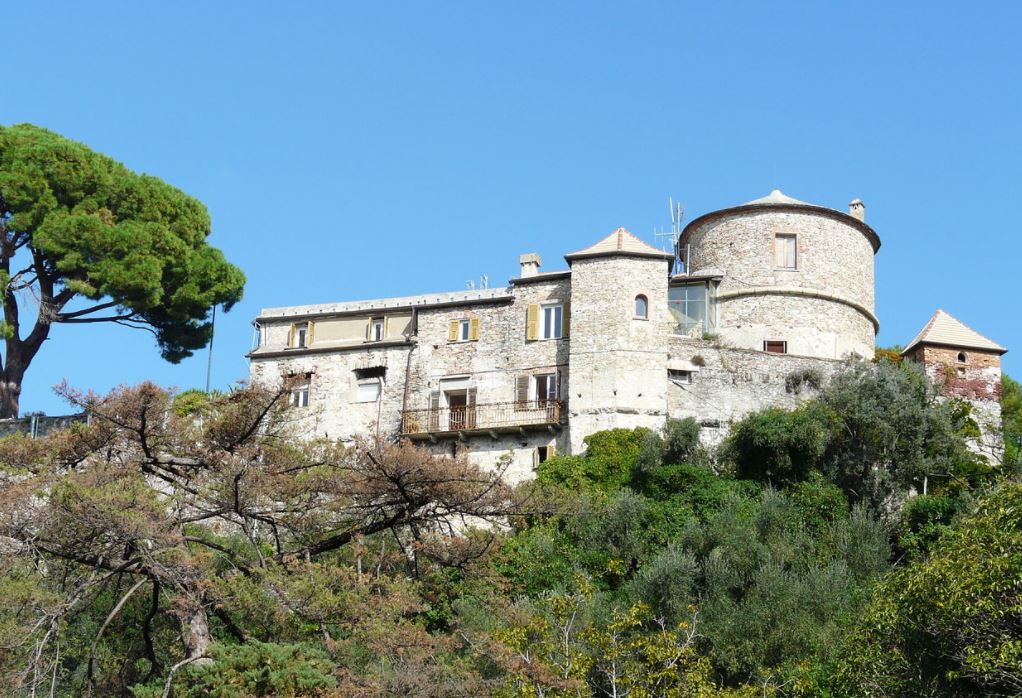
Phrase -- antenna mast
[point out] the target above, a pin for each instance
(677, 214)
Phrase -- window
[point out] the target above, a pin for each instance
(377, 329)
(962, 358)
(543, 454)
(301, 335)
(537, 390)
(369, 390)
(552, 317)
(545, 388)
(679, 375)
(300, 395)
(641, 307)
(786, 252)
(775, 346)
(464, 330)
(548, 321)
(691, 307)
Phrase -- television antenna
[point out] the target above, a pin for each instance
(677, 215)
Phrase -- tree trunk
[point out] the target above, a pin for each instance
(10, 387)
(195, 634)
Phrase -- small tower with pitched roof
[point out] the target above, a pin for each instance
(620, 325)
(966, 365)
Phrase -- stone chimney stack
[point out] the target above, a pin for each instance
(530, 264)
(857, 209)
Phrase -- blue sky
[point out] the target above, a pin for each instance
(359, 150)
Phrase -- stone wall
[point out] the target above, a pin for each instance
(977, 380)
(618, 362)
(729, 383)
(834, 259)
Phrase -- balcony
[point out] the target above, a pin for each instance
(493, 419)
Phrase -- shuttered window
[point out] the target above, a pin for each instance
(786, 252)
(300, 335)
(532, 322)
(466, 330)
(522, 390)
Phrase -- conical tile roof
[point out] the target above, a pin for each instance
(776, 197)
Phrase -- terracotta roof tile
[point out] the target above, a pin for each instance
(620, 242)
(948, 331)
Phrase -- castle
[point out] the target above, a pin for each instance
(776, 294)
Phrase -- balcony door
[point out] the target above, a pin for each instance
(459, 404)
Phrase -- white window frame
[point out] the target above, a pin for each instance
(464, 330)
(300, 395)
(371, 383)
(534, 387)
(554, 328)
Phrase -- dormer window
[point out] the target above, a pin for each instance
(641, 307)
(786, 251)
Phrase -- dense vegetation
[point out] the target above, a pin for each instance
(196, 548)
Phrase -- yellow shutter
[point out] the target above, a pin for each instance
(532, 322)
(308, 334)
(369, 329)
(473, 329)
(565, 316)
(551, 450)
(386, 327)
(291, 336)
(452, 331)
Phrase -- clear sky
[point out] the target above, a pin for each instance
(360, 150)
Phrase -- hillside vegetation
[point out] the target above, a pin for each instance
(195, 547)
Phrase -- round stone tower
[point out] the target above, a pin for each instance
(792, 277)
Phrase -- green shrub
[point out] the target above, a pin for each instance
(255, 669)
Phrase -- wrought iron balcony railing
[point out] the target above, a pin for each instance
(493, 417)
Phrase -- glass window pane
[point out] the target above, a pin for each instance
(688, 307)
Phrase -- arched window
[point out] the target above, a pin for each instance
(641, 307)
(961, 357)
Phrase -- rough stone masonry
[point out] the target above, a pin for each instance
(772, 291)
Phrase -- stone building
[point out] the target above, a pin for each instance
(965, 365)
(774, 296)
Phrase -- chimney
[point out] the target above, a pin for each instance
(530, 264)
(857, 209)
